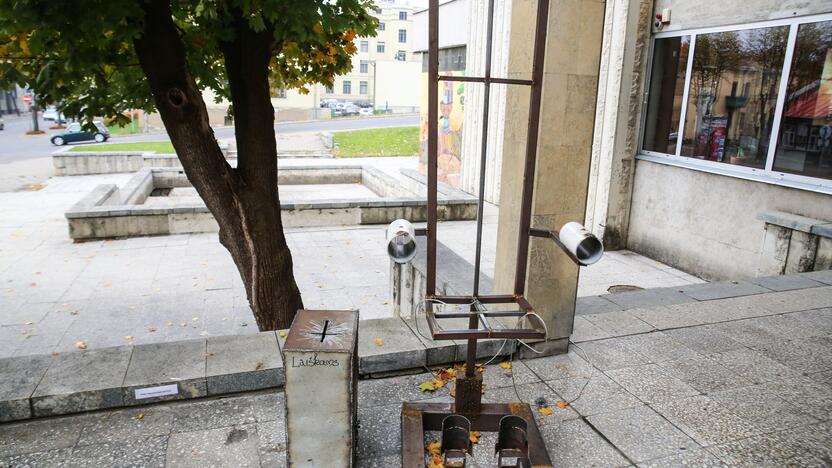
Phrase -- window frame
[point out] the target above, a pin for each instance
(402, 31)
(767, 174)
(380, 47)
(344, 85)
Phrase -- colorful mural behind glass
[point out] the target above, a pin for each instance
(451, 106)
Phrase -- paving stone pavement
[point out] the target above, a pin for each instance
(55, 293)
(660, 398)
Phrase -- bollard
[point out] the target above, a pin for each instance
(320, 357)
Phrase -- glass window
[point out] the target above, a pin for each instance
(403, 15)
(726, 65)
(804, 144)
(380, 47)
(362, 87)
(381, 26)
(401, 55)
(347, 87)
(667, 85)
(402, 35)
(365, 46)
(363, 66)
(329, 90)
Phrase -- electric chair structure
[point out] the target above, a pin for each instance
(519, 441)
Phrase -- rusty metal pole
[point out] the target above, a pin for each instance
(531, 147)
(433, 111)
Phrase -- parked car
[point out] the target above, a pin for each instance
(2, 125)
(351, 110)
(329, 103)
(75, 133)
(365, 111)
(51, 113)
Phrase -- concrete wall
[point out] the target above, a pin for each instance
(687, 14)
(702, 223)
(707, 224)
(397, 85)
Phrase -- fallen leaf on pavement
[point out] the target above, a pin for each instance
(139, 416)
(427, 386)
(505, 365)
(433, 447)
(562, 404)
(474, 437)
(128, 337)
(282, 333)
(545, 411)
(81, 345)
(379, 342)
(438, 383)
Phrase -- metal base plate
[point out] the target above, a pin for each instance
(418, 417)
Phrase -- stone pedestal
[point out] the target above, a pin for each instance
(321, 363)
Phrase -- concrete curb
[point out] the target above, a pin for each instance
(44, 385)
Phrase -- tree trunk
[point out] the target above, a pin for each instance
(244, 201)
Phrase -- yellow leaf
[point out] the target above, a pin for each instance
(427, 386)
(505, 365)
(445, 374)
(29, 322)
(128, 337)
(318, 28)
(55, 353)
(81, 345)
(139, 416)
(282, 333)
(433, 447)
(474, 436)
(379, 342)
(438, 383)
(545, 411)
(24, 43)
(562, 404)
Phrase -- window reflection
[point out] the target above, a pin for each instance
(733, 94)
(805, 138)
(667, 84)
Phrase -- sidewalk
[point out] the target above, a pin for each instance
(736, 378)
(55, 293)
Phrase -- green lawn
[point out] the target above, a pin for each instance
(125, 130)
(164, 147)
(395, 141)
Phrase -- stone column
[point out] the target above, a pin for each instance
(617, 123)
(570, 82)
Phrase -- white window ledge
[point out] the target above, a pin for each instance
(785, 180)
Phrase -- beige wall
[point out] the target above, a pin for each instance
(687, 14)
(706, 224)
(398, 85)
(573, 50)
(700, 222)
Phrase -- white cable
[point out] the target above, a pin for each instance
(545, 330)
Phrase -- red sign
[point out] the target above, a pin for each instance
(27, 98)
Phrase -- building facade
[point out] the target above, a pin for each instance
(393, 45)
(713, 137)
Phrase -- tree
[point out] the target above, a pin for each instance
(100, 57)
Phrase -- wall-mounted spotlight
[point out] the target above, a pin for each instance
(401, 241)
(582, 244)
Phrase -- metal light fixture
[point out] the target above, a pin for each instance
(401, 241)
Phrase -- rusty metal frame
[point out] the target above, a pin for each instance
(419, 417)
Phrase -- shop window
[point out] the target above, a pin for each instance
(667, 86)
(804, 145)
(753, 102)
(712, 131)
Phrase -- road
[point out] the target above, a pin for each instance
(15, 145)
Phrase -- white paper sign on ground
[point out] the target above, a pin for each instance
(153, 392)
